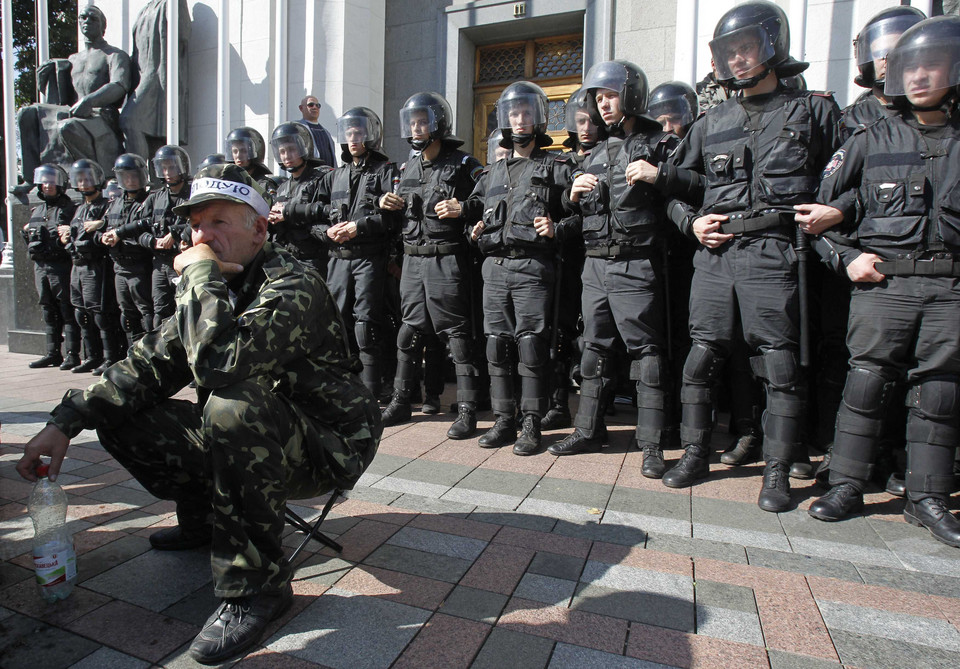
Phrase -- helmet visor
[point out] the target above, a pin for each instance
(112, 190)
(288, 149)
(739, 54)
(521, 113)
(48, 174)
(240, 150)
(922, 69)
(876, 39)
(576, 105)
(169, 167)
(84, 178)
(678, 109)
(131, 179)
(354, 130)
(417, 122)
(608, 74)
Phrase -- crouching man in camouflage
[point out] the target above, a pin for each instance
(282, 413)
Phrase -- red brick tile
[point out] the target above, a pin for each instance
(452, 525)
(504, 460)
(95, 537)
(15, 490)
(357, 508)
(425, 593)
(93, 511)
(875, 597)
(133, 630)
(632, 478)
(460, 452)
(96, 483)
(736, 574)
(12, 510)
(362, 539)
(543, 541)
(679, 649)
(567, 625)
(24, 598)
(643, 558)
(404, 441)
(791, 620)
(88, 454)
(950, 607)
(160, 507)
(307, 587)
(445, 641)
(499, 568)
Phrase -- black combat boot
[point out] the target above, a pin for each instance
(933, 514)
(694, 465)
(578, 442)
(840, 502)
(52, 359)
(746, 450)
(528, 442)
(653, 465)
(802, 468)
(775, 493)
(431, 405)
(397, 411)
(71, 360)
(87, 365)
(504, 431)
(557, 418)
(896, 485)
(466, 423)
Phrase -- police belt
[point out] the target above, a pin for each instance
(942, 265)
(743, 223)
(515, 252)
(356, 252)
(445, 249)
(623, 251)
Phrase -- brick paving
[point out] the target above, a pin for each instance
(456, 556)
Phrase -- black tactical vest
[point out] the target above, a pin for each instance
(297, 238)
(84, 250)
(43, 242)
(127, 250)
(422, 192)
(518, 191)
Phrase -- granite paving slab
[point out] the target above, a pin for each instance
(135, 580)
(438, 542)
(567, 656)
(508, 649)
(637, 605)
(475, 604)
(863, 650)
(419, 563)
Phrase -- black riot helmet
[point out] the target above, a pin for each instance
(926, 59)
(527, 102)
(111, 190)
(131, 171)
(297, 142)
(758, 29)
(367, 123)
(245, 144)
(49, 173)
(629, 82)
(797, 81)
(577, 117)
(90, 173)
(676, 100)
(495, 142)
(433, 110)
(878, 37)
(212, 159)
(171, 155)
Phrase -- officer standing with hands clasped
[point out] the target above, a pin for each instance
(904, 261)
(434, 285)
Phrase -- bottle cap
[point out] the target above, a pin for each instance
(42, 470)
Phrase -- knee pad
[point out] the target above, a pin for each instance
(866, 392)
(533, 350)
(498, 351)
(650, 370)
(461, 350)
(131, 323)
(83, 317)
(595, 364)
(702, 366)
(51, 316)
(365, 334)
(408, 338)
(780, 368)
(936, 398)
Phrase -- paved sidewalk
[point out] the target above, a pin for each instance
(457, 556)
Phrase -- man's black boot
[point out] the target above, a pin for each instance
(397, 411)
(896, 485)
(181, 537)
(431, 405)
(933, 514)
(557, 418)
(694, 465)
(49, 360)
(840, 502)
(238, 624)
(775, 493)
(746, 450)
(528, 442)
(802, 468)
(577, 442)
(87, 366)
(466, 423)
(653, 466)
(504, 431)
(71, 360)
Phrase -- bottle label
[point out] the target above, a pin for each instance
(55, 563)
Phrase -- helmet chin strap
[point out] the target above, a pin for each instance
(588, 145)
(522, 140)
(420, 144)
(616, 129)
(740, 84)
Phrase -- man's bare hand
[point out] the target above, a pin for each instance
(92, 226)
(449, 208)
(582, 185)
(862, 270)
(63, 231)
(276, 213)
(814, 218)
(477, 229)
(544, 226)
(200, 252)
(640, 170)
(391, 202)
(707, 230)
(50, 441)
(110, 238)
(165, 242)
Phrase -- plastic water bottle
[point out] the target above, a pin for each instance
(54, 559)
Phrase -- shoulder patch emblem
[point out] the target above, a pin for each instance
(836, 160)
(476, 171)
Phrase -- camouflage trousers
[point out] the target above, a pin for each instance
(235, 459)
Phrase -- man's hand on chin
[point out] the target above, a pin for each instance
(200, 252)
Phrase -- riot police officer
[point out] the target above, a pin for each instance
(904, 261)
(760, 153)
(293, 149)
(674, 106)
(246, 148)
(52, 266)
(155, 227)
(518, 205)
(91, 279)
(132, 263)
(624, 228)
(357, 233)
(434, 284)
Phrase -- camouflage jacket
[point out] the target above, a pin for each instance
(282, 329)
